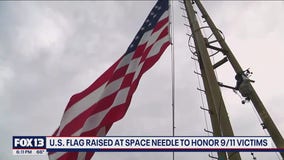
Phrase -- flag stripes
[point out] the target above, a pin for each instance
(93, 111)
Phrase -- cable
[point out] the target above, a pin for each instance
(205, 112)
(265, 131)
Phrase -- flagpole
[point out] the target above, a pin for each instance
(171, 31)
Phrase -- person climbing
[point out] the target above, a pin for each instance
(243, 85)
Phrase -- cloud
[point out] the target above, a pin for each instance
(52, 50)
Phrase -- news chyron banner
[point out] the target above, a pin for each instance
(41, 145)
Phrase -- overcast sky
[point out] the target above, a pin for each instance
(52, 50)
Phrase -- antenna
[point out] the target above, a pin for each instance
(219, 117)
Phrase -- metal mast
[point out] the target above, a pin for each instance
(219, 117)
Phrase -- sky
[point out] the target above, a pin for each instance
(52, 50)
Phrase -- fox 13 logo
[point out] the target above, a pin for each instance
(29, 142)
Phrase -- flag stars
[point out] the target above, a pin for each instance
(158, 7)
(151, 18)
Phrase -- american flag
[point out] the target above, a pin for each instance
(93, 111)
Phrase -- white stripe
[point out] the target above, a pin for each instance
(155, 36)
(80, 107)
(112, 87)
(102, 132)
(145, 37)
(154, 50)
(125, 60)
(95, 120)
(138, 71)
(121, 97)
(164, 15)
(157, 46)
(133, 65)
(56, 155)
(81, 156)
(88, 101)
(147, 34)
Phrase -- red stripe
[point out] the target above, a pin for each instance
(164, 33)
(99, 82)
(154, 59)
(69, 156)
(127, 80)
(79, 121)
(160, 24)
(118, 73)
(140, 49)
(145, 53)
(113, 115)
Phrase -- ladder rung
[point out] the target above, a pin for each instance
(212, 156)
(187, 25)
(226, 86)
(212, 41)
(208, 131)
(201, 90)
(205, 109)
(221, 62)
(194, 58)
(216, 48)
(197, 73)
